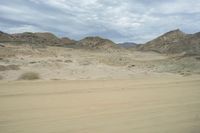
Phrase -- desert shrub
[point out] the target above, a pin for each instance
(9, 67)
(84, 63)
(32, 62)
(198, 58)
(185, 73)
(2, 68)
(58, 60)
(68, 61)
(131, 66)
(29, 76)
(13, 67)
(1, 77)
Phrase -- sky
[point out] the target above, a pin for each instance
(119, 20)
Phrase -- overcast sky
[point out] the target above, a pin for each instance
(120, 20)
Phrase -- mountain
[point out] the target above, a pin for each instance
(67, 41)
(4, 37)
(36, 39)
(49, 39)
(174, 42)
(96, 43)
(128, 44)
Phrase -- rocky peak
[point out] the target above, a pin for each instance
(68, 41)
(174, 42)
(96, 42)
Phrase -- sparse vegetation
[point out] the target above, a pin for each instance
(185, 73)
(13, 67)
(9, 67)
(198, 58)
(59, 60)
(131, 66)
(85, 63)
(1, 77)
(68, 61)
(2, 68)
(29, 76)
(33, 62)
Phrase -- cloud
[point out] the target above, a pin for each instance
(23, 28)
(119, 20)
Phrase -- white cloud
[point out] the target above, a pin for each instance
(121, 20)
(180, 6)
(23, 28)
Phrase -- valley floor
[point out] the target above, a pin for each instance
(144, 105)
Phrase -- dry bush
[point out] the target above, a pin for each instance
(9, 67)
(1, 77)
(84, 63)
(198, 58)
(13, 67)
(29, 76)
(68, 61)
(2, 68)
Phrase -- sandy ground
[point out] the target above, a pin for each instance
(144, 105)
(77, 64)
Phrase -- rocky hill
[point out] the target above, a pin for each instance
(174, 42)
(35, 39)
(49, 39)
(4, 37)
(96, 43)
(67, 41)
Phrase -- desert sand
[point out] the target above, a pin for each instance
(58, 63)
(95, 91)
(166, 104)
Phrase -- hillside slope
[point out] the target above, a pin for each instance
(174, 42)
(35, 39)
(96, 43)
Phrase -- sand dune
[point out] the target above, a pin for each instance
(155, 105)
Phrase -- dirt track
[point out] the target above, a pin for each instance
(159, 105)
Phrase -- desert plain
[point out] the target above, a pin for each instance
(58, 85)
(94, 91)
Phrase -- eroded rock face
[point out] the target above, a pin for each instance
(174, 42)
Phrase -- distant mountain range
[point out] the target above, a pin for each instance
(49, 39)
(128, 44)
(173, 42)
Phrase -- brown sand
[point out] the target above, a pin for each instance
(156, 105)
